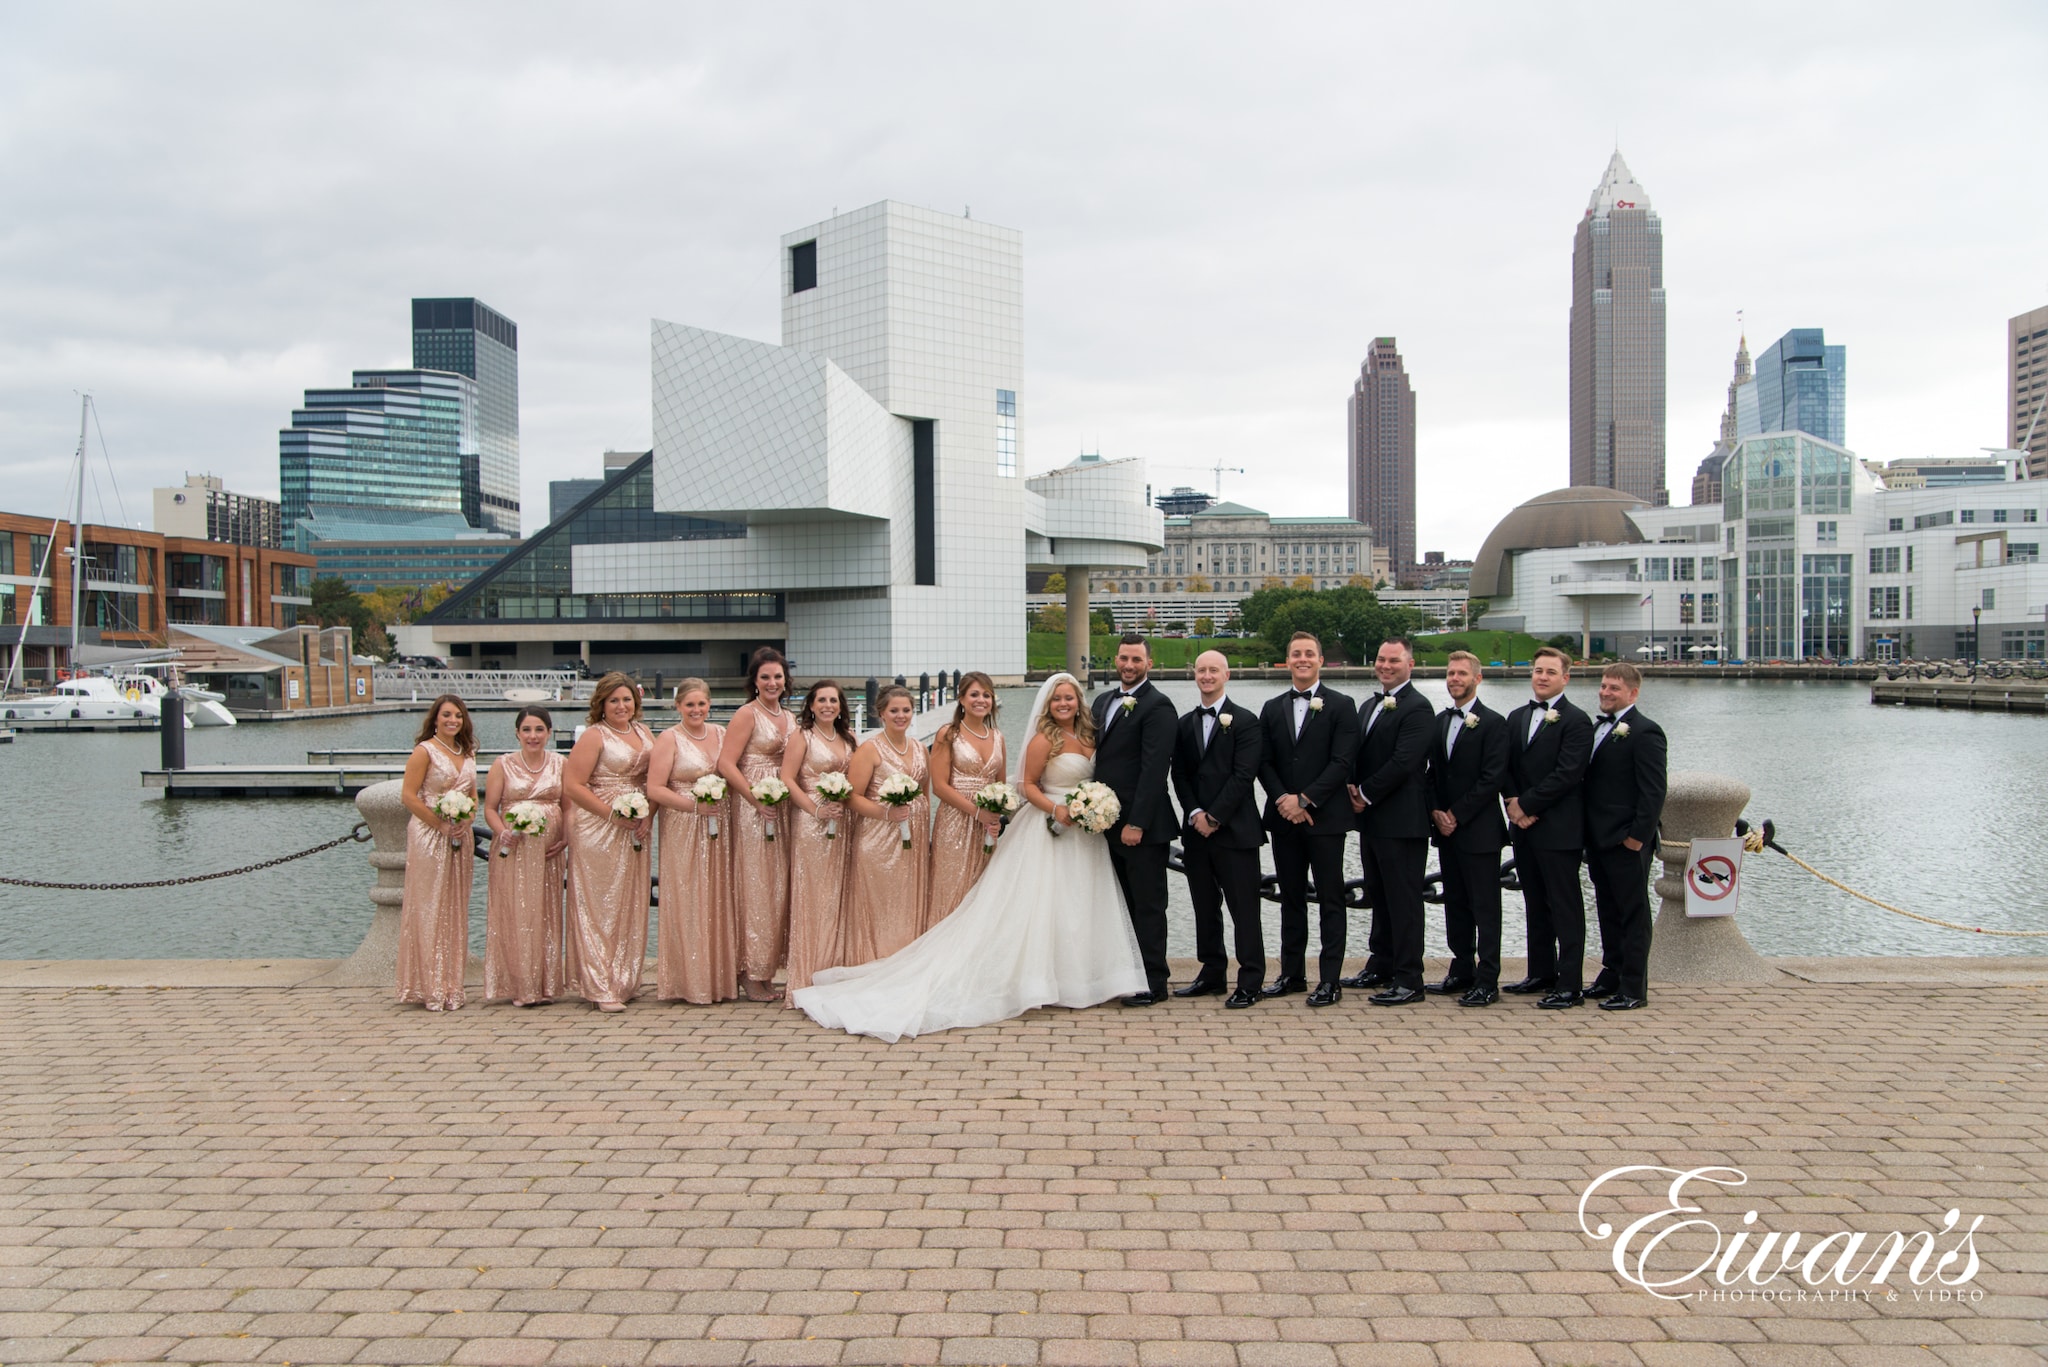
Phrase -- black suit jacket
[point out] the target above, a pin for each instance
(1133, 757)
(1545, 773)
(1625, 781)
(1317, 764)
(1467, 784)
(1391, 765)
(1219, 780)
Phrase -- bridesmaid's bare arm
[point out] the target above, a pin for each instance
(1036, 756)
(860, 773)
(660, 764)
(494, 802)
(415, 779)
(577, 769)
(737, 733)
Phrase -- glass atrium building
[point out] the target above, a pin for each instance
(396, 439)
(468, 337)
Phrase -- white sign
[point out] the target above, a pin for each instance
(362, 686)
(1713, 877)
(292, 689)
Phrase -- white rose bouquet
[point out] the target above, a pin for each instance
(631, 807)
(709, 791)
(526, 818)
(900, 790)
(834, 787)
(1001, 799)
(1094, 807)
(455, 805)
(771, 792)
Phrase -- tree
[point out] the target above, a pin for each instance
(334, 602)
(1302, 581)
(1350, 622)
(1205, 626)
(1055, 582)
(1358, 581)
(1197, 584)
(1052, 617)
(1271, 581)
(1100, 623)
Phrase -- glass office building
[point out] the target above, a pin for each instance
(1785, 498)
(396, 440)
(1800, 385)
(468, 337)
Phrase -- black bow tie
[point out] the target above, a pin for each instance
(1205, 711)
(1607, 718)
(1304, 693)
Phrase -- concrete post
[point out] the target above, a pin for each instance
(375, 962)
(1078, 636)
(1685, 949)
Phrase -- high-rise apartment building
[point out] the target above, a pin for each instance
(1617, 340)
(206, 510)
(396, 440)
(1801, 385)
(1706, 481)
(2026, 388)
(1380, 429)
(468, 337)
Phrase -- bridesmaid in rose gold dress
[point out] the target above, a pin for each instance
(753, 749)
(967, 756)
(886, 896)
(820, 832)
(608, 890)
(523, 912)
(433, 920)
(696, 957)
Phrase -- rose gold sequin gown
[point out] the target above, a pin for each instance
(817, 866)
(607, 940)
(523, 910)
(958, 853)
(886, 895)
(697, 957)
(760, 866)
(433, 919)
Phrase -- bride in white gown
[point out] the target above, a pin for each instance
(1045, 925)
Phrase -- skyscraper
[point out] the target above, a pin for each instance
(2026, 385)
(1801, 385)
(398, 441)
(468, 337)
(1617, 340)
(1706, 481)
(1381, 432)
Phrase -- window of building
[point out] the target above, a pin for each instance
(2023, 552)
(1895, 524)
(2027, 643)
(2030, 514)
(1770, 528)
(1682, 567)
(1884, 604)
(1990, 599)
(1709, 609)
(1731, 540)
(1909, 606)
(1824, 609)
(1685, 609)
(803, 267)
(1943, 518)
(1884, 559)
(1826, 533)
(1968, 515)
(1706, 567)
(1658, 568)
(6, 552)
(2000, 514)
(1006, 433)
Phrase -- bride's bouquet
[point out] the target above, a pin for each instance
(1092, 806)
(709, 791)
(455, 805)
(1001, 799)
(528, 819)
(631, 806)
(834, 787)
(900, 790)
(771, 792)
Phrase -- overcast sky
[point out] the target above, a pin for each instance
(206, 209)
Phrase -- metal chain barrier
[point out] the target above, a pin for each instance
(360, 834)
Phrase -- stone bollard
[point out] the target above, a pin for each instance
(1702, 949)
(375, 962)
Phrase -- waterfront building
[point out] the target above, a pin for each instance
(1800, 385)
(1380, 433)
(257, 669)
(137, 585)
(1617, 340)
(1810, 556)
(1237, 549)
(379, 548)
(1706, 481)
(204, 510)
(2026, 388)
(394, 440)
(468, 337)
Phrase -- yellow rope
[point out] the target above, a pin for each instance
(1754, 843)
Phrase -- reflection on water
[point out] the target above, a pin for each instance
(1940, 812)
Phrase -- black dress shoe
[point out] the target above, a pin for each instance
(1529, 987)
(1449, 987)
(1559, 1001)
(1326, 994)
(1622, 1001)
(1601, 986)
(1363, 980)
(1144, 999)
(1240, 999)
(1284, 986)
(1398, 996)
(1479, 996)
(1199, 988)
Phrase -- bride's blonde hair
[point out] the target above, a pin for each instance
(1084, 722)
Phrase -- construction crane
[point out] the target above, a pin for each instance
(1219, 470)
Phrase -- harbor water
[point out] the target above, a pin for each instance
(1940, 812)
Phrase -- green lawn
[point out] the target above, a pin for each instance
(1048, 650)
(1503, 647)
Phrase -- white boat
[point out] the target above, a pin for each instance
(92, 698)
(203, 707)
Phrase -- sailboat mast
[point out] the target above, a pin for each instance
(78, 535)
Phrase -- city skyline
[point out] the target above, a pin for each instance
(1207, 267)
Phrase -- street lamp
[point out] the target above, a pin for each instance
(1976, 635)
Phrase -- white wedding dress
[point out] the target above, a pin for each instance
(1045, 926)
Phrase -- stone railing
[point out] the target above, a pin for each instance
(1699, 949)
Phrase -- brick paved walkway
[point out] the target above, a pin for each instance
(318, 1176)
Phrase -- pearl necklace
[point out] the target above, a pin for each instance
(978, 735)
(531, 772)
(695, 735)
(903, 751)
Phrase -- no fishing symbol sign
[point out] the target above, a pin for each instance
(1713, 877)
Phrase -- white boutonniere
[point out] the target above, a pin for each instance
(1315, 704)
(1130, 704)
(1550, 717)
(1223, 719)
(1389, 703)
(1620, 730)
(1471, 722)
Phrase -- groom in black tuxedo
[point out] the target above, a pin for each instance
(1134, 726)
(1389, 794)
(1215, 762)
(1549, 740)
(1624, 800)
(1311, 737)
(1468, 763)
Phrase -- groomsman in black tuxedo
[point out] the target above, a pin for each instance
(1310, 739)
(1390, 798)
(1548, 741)
(1468, 763)
(1215, 762)
(1134, 725)
(1625, 782)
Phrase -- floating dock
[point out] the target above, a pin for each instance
(1984, 695)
